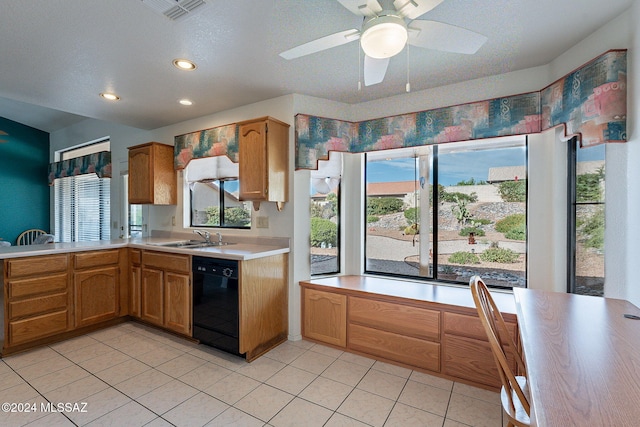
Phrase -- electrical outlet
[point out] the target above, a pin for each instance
(173, 220)
(262, 222)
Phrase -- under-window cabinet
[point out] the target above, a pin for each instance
(152, 178)
(165, 291)
(263, 151)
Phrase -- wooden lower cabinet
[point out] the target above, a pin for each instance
(152, 296)
(37, 299)
(96, 283)
(135, 281)
(177, 303)
(466, 350)
(96, 295)
(325, 316)
(165, 291)
(442, 339)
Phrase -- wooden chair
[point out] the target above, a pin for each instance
(514, 392)
(27, 237)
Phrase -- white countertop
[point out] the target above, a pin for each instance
(243, 248)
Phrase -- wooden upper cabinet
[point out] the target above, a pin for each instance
(263, 150)
(152, 178)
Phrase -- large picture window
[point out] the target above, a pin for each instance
(586, 219)
(448, 212)
(325, 216)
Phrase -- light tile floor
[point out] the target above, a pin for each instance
(132, 375)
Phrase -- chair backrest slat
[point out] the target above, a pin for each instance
(497, 332)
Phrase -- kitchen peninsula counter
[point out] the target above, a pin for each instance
(57, 291)
(239, 248)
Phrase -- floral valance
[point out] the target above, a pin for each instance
(218, 141)
(590, 102)
(98, 163)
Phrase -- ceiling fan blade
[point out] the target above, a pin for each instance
(362, 7)
(444, 37)
(322, 43)
(374, 70)
(414, 8)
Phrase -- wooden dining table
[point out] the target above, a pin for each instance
(582, 357)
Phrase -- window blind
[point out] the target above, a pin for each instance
(82, 208)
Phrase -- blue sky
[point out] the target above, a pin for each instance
(454, 167)
(462, 166)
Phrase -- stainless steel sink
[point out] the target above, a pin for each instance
(192, 244)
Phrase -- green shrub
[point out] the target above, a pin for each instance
(412, 215)
(519, 233)
(323, 231)
(513, 191)
(383, 205)
(463, 258)
(591, 230)
(455, 196)
(236, 217)
(511, 222)
(475, 230)
(471, 181)
(588, 187)
(501, 255)
(372, 218)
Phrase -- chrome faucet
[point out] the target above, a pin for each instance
(219, 238)
(204, 234)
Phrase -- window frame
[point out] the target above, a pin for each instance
(221, 206)
(103, 187)
(433, 267)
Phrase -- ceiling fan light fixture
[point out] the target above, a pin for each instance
(384, 36)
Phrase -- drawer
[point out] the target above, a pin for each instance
(37, 285)
(134, 256)
(96, 258)
(177, 263)
(22, 331)
(399, 348)
(31, 306)
(472, 360)
(393, 317)
(470, 326)
(37, 265)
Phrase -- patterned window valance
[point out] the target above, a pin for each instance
(590, 102)
(218, 141)
(98, 163)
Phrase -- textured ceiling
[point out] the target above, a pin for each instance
(60, 54)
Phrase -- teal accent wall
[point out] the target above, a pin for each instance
(24, 191)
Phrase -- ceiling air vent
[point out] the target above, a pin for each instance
(176, 10)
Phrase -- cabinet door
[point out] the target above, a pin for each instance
(177, 304)
(252, 151)
(135, 273)
(152, 296)
(140, 175)
(325, 317)
(96, 295)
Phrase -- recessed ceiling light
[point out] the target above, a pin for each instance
(184, 64)
(185, 102)
(110, 96)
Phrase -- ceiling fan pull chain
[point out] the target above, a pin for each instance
(408, 87)
(359, 69)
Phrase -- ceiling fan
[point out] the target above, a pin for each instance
(387, 27)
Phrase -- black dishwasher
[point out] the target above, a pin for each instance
(215, 303)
